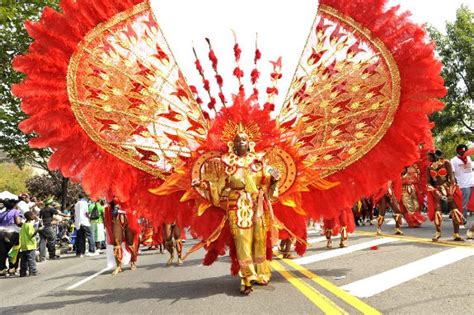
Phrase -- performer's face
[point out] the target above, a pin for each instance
(431, 157)
(241, 144)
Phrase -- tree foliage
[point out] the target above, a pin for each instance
(14, 40)
(46, 185)
(13, 179)
(455, 124)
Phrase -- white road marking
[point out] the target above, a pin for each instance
(88, 278)
(378, 283)
(321, 239)
(342, 251)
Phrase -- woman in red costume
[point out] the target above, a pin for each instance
(102, 86)
(443, 193)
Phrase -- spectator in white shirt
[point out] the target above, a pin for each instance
(462, 167)
(83, 227)
(22, 204)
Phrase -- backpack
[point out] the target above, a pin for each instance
(95, 213)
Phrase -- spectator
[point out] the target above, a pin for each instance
(462, 167)
(96, 216)
(47, 232)
(10, 221)
(35, 206)
(83, 227)
(28, 246)
(23, 203)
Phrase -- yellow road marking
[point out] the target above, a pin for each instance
(343, 295)
(318, 299)
(419, 240)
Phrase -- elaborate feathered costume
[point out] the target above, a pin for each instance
(104, 91)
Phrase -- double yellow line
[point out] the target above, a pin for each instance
(324, 303)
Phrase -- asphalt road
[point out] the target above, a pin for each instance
(389, 275)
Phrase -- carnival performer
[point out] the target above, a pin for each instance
(172, 236)
(234, 164)
(122, 227)
(243, 185)
(443, 192)
(385, 199)
(410, 199)
(342, 224)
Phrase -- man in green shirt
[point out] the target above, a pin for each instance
(96, 216)
(28, 246)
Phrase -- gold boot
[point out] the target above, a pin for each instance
(457, 237)
(344, 237)
(436, 237)
(179, 250)
(117, 270)
(380, 221)
(328, 233)
(398, 232)
(398, 223)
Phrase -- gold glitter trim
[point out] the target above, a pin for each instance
(77, 104)
(389, 63)
(72, 86)
(395, 78)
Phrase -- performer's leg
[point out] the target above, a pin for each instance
(457, 218)
(370, 209)
(243, 240)
(397, 215)
(169, 244)
(285, 248)
(178, 243)
(262, 266)
(381, 217)
(438, 220)
(328, 226)
(132, 247)
(117, 229)
(343, 224)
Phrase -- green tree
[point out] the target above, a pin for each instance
(13, 179)
(45, 186)
(455, 124)
(14, 40)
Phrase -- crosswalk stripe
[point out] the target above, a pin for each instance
(378, 283)
(342, 251)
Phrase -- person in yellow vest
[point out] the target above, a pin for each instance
(28, 246)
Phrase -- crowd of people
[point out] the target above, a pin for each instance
(32, 231)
